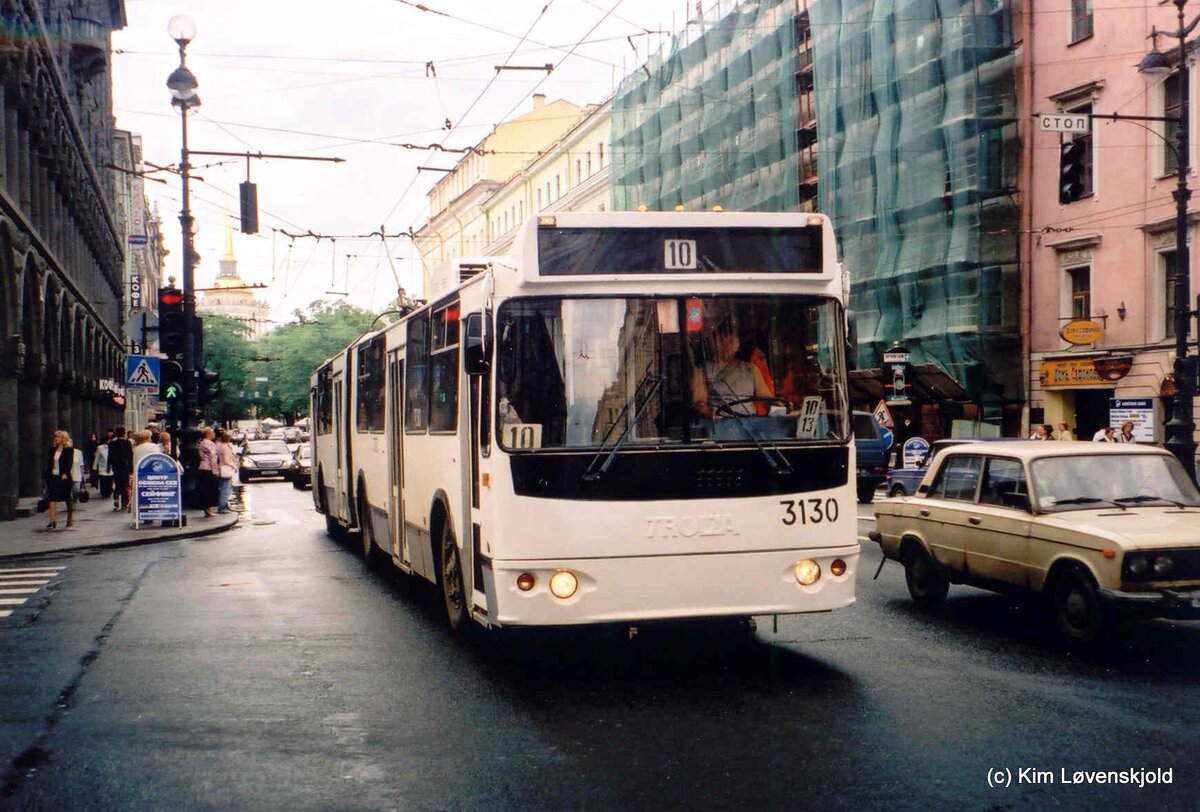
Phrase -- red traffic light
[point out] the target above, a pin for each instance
(170, 297)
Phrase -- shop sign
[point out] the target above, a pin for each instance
(1070, 372)
(1081, 331)
(1139, 411)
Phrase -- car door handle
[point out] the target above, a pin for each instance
(924, 513)
(974, 520)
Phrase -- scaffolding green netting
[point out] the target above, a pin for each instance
(710, 120)
(918, 155)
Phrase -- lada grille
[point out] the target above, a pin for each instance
(1185, 566)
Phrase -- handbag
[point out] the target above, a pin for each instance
(82, 495)
(227, 471)
(43, 505)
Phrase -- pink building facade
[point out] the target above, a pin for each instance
(1106, 256)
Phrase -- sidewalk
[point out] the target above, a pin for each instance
(97, 525)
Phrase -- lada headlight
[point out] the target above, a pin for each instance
(1138, 566)
(1163, 565)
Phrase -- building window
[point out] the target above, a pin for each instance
(1171, 109)
(600, 148)
(1081, 19)
(557, 187)
(1168, 265)
(548, 198)
(1081, 292)
(1089, 154)
(578, 169)
(521, 210)
(589, 164)
(539, 198)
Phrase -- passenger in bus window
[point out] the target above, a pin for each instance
(722, 383)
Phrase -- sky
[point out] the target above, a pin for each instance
(353, 80)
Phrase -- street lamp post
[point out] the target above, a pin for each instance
(1180, 428)
(182, 84)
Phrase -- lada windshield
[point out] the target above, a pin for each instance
(599, 372)
(1091, 481)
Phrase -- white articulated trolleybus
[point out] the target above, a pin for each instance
(633, 417)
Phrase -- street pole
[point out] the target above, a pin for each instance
(189, 273)
(182, 85)
(1180, 429)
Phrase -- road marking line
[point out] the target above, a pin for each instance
(20, 591)
(12, 601)
(34, 569)
(5, 612)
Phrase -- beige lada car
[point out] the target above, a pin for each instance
(1101, 530)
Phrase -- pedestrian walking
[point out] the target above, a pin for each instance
(226, 470)
(206, 484)
(1064, 432)
(164, 440)
(120, 459)
(1126, 435)
(64, 476)
(102, 471)
(1039, 432)
(89, 456)
(1105, 435)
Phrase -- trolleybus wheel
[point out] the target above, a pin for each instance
(452, 581)
(370, 550)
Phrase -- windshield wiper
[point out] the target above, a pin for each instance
(784, 469)
(1142, 497)
(640, 402)
(1087, 500)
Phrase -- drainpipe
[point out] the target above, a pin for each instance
(1026, 198)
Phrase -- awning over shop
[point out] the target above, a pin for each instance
(926, 382)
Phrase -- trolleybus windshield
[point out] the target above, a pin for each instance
(593, 372)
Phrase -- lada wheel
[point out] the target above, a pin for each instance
(453, 593)
(897, 490)
(926, 583)
(1078, 613)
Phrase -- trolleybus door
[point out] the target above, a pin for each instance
(340, 507)
(395, 440)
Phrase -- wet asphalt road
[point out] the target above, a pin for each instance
(266, 668)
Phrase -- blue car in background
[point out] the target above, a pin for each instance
(872, 444)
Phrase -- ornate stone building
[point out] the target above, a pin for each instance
(233, 298)
(61, 253)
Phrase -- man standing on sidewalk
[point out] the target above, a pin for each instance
(120, 459)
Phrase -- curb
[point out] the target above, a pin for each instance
(183, 533)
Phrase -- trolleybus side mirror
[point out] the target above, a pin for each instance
(477, 350)
(851, 341)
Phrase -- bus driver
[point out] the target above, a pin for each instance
(719, 385)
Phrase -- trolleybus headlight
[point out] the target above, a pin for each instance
(838, 567)
(563, 584)
(808, 572)
(525, 581)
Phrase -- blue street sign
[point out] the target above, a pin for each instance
(157, 493)
(143, 372)
(915, 449)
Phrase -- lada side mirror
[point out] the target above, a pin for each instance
(1017, 500)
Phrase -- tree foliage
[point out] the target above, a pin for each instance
(227, 351)
(295, 349)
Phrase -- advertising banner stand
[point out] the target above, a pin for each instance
(157, 493)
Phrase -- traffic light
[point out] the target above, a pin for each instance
(170, 384)
(172, 322)
(249, 200)
(1072, 166)
(210, 386)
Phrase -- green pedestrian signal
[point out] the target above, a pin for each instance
(173, 391)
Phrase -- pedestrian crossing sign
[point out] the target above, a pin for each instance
(142, 372)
